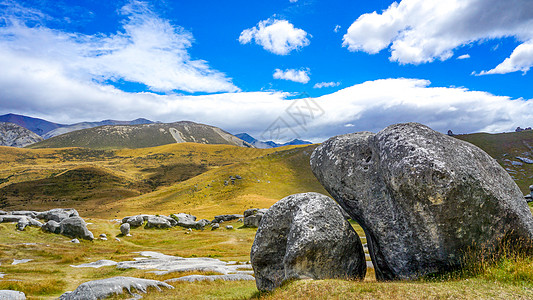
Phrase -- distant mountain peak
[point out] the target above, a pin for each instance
(268, 144)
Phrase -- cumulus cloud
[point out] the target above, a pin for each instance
(301, 76)
(371, 106)
(147, 50)
(276, 36)
(464, 56)
(520, 60)
(320, 85)
(415, 38)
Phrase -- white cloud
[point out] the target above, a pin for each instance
(464, 56)
(293, 1)
(414, 37)
(301, 76)
(320, 85)
(337, 28)
(276, 36)
(148, 50)
(520, 60)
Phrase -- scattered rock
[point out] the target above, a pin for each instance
(225, 218)
(52, 226)
(22, 223)
(252, 217)
(134, 221)
(229, 227)
(104, 288)
(75, 227)
(57, 214)
(189, 221)
(228, 277)
(305, 236)
(103, 237)
(12, 295)
(125, 229)
(21, 261)
(525, 159)
(165, 264)
(75, 241)
(215, 226)
(97, 264)
(422, 197)
(157, 222)
(117, 239)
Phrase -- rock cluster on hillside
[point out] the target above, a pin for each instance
(59, 220)
(423, 198)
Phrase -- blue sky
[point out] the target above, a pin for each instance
(241, 65)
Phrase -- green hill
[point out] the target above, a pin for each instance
(141, 136)
(506, 148)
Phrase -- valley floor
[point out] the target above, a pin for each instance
(49, 273)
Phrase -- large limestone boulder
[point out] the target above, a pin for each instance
(12, 295)
(305, 236)
(422, 197)
(51, 226)
(75, 227)
(57, 214)
(157, 222)
(253, 216)
(189, 221)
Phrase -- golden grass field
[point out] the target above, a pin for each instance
(110, 184)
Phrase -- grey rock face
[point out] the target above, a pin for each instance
(13, 135)
(422, 197)
(103, 288)
(57, 214)
(225, 218)
(75, 227)
(125, 229)
(134, 221)
(157, 222)
(189, 221)
(12, 295)
(305, 236)
(253, 216)
(52, 226)
(22, 223)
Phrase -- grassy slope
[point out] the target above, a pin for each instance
(268, 175)
(505, 147)
(164, 177)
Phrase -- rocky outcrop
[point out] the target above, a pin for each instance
(104, 288)
(189, 221)
(305, 236)
(13, 135)
(52, 226)
(225, 218)
(75, 227)
(57, 214)
(422, 197)
(157, 222)
(253, 216)
(12, 295)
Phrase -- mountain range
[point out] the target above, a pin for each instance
(142, 136)
(109, 134)
(269, 144)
